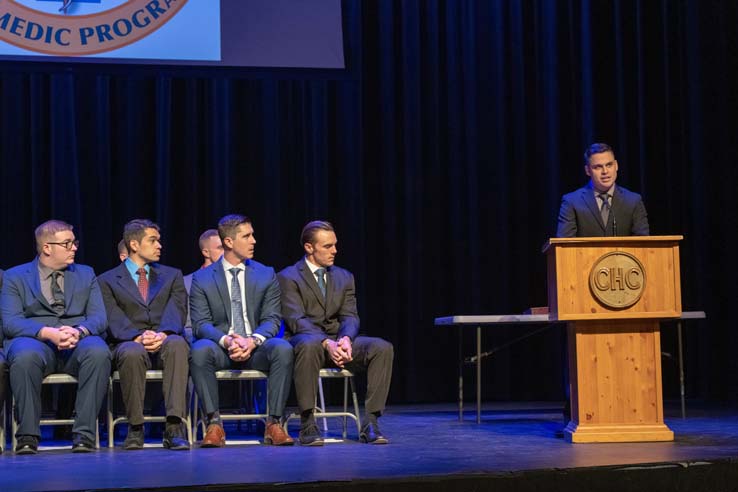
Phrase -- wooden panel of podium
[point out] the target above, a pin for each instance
(613, 291)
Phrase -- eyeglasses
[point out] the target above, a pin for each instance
(599, 167)
(68, 245)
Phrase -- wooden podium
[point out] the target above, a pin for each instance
(613, 291)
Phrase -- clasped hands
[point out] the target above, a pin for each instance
(64, 337)
(340, 351)
(151, 340)
(239, 347)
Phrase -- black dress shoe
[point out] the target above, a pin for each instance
(134, 438)
(174, 437)
(26, 445)
(82, 444)
(310, 436)
(371, 434)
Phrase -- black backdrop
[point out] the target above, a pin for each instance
(440, 155)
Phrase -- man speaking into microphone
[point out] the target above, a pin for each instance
(600, 208)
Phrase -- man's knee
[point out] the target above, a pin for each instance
(176, 344)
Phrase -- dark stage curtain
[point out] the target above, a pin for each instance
(440, 154)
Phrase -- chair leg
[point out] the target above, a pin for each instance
(322, 403)
(111, 427)
(14, 422)
(356, 406)
(345, 405)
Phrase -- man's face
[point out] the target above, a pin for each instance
(243, 244)
(603, 170)
(323, 251)
(57, 256)
(213, 249)
(149, 248)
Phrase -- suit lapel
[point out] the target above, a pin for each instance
(126, 282)
(309, 279)
(250, 293)
(589, 199)
(156, 281)
(33, 279)
(219, 279)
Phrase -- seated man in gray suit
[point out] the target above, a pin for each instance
(600, 208)
(211, 249)
(53, 321)
(235, 311)
(146, 306)
(322, 323)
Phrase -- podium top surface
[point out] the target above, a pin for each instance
(610, 239)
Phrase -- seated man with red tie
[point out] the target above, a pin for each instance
(146, 306)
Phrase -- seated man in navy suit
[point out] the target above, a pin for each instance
(322, 323)
(53, 321)
(600, 208)
(146, 305)
(235, 311)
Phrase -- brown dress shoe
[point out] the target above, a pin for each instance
(276, 435)
(214, 437)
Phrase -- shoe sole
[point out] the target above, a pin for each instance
(380, 440)
(133, 447)
(26, 451)
(82, 449)
(319, 442)
(179, 447)
(269, 442)
(212, 445)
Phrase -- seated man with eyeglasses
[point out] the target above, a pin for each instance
(53, 321)
(600, 208)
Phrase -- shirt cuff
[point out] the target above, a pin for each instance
(221, 342)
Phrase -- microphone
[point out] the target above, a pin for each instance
(614, 226)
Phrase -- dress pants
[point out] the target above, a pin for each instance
(132, 361)
(370, 354)
(31, 360)
(3, 381)
(274, 357)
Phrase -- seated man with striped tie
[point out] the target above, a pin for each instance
(600, 208)
(53, 321)
(235, 312)
(146, 304)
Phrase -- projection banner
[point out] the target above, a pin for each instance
(246, 33)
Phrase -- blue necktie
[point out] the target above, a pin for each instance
(239, 325)
(320, 272)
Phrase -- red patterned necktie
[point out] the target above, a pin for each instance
(143, 284)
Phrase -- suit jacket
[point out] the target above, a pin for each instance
(129, 315)
(304, 309)
(24, 309)
(579, 215)
(210, 303)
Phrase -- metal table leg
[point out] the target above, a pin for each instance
(461, 373)
(479, 374)
(681, 369)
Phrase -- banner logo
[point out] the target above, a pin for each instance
(617, 279)
(79, 35)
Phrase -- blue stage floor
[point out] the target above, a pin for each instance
(426, 441)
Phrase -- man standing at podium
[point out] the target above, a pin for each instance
(601, 208)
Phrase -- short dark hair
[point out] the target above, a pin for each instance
(122, 247)
(135, 230)
(205, 236)
(46, 232)
(228, 225)
(596, 148)
(312, 228)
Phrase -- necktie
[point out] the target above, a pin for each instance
(143, 284)
(605, 208)
(57, 294)
(239, 325)
(320, 272)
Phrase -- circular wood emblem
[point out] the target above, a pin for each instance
(617, 279)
